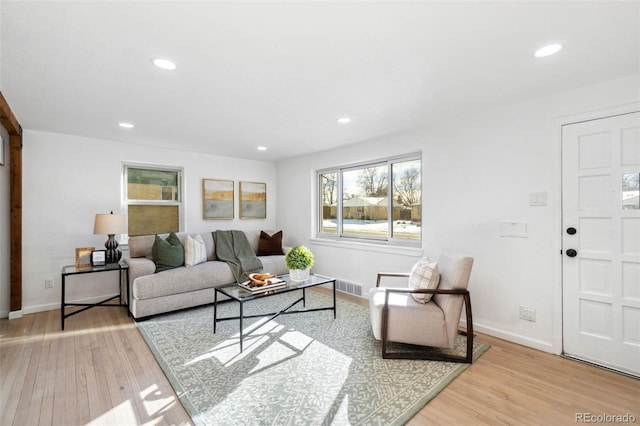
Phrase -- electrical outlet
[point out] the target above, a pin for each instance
(48, 283)
(532, 315)
(527, 314)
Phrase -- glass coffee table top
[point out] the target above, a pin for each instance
(241, 295)
(238, 293)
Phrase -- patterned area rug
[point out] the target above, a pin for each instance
(300, 369)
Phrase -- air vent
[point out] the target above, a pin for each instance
(349, 287)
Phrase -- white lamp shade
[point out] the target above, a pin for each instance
(109, 224)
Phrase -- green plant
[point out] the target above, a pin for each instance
(299, 257)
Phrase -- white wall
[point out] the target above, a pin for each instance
(5, 242)
(68, 179)
(478, 171)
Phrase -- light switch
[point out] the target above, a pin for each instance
(537, 198)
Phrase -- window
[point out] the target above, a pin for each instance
(631, 191)
(153, 197)
(379, 201)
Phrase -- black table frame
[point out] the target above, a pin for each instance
(245, 296)
(123, 271)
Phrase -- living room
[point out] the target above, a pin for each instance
(480, 164)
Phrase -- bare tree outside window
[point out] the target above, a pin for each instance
(329, 191)
(407, 193)
(378, 201)
(373, 181)
(407, 184)
(329, 188)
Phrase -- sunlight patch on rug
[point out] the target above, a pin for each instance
(295, 369)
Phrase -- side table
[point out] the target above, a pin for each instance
(123, 272)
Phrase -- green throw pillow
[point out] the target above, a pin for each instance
(169, 253)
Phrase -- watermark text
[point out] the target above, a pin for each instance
(605, 418)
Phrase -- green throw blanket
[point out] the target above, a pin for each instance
(233, 247)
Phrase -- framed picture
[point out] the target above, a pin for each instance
(83, 256)
(217, 199)
(98, 258)
(253, 200)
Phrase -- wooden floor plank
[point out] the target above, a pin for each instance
(28, 411)
(100, 404)
(15, 355)
(100, 371)
(81, 347)
(49, 376)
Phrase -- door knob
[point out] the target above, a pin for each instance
(571, 231)
(571, 253)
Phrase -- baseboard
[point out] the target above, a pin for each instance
(15, 315)
(514, 338)
(479, 328)
(53, 306)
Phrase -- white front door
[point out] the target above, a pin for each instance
(601, 241)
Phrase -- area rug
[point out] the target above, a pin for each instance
(299, 369)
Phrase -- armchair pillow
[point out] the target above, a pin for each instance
(169, 253)
(424, 275)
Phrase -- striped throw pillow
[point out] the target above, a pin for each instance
(195, 251)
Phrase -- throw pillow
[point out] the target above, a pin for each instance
(195, 251)
(424, 275)
(270, 244)
(169, 253)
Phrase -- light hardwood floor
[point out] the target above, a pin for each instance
(100, 371)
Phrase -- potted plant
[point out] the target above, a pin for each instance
(299, 260)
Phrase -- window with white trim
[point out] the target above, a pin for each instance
(153, 199)
(380, 201)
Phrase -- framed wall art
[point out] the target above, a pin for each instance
(83, 257)
(217, 199)
(253, 200)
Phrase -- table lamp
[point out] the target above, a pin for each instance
(111, 224)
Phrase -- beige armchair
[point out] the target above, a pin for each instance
(396, 316)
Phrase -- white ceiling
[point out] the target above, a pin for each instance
(279, 74)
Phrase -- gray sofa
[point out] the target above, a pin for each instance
(154, 293)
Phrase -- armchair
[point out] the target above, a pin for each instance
(396, 316)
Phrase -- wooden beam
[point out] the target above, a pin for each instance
(10, 122)
(7, 118)
(15, 201)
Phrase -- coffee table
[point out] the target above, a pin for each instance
(240, 295)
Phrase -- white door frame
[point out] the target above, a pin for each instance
(558, 122)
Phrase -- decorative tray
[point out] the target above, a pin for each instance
(255, 285)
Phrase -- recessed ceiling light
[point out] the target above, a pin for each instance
(262, 148)
(344, 120)
(164, 64)
(548, 50)
(125, 125)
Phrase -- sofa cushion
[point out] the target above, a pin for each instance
(424, 275)
(274, 264)
(409, 321)
(182, 280)
(169, 253)
(195, 251)
(270, 244)
(142, 245)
